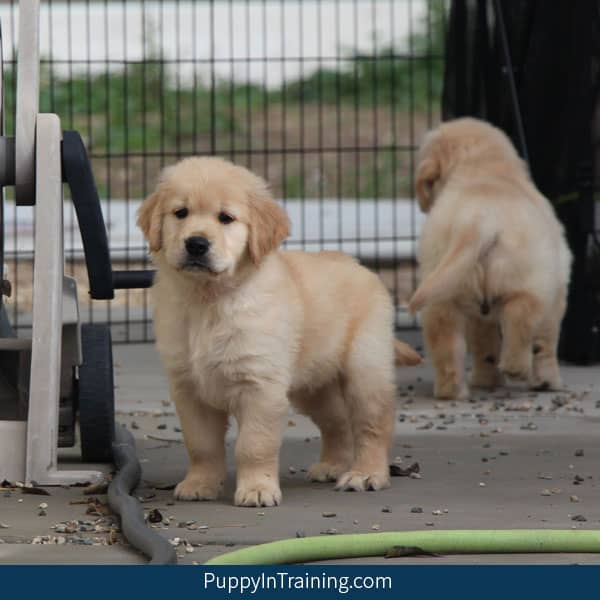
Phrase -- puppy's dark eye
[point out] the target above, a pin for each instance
(181, 213)
(225, 218)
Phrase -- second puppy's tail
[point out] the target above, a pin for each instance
(461, 257)
(405, 356)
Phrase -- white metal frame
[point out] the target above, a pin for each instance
(28, 450)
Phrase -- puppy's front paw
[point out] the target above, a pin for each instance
(198, 487)
(325, 471)
(258, 493)
(357, 481)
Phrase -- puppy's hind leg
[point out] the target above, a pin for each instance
(327, 409)
(444, 333)
(485, 342)
(546, 372)
(521, 315)
(369, 392)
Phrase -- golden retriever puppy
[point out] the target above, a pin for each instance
(243, 330)
(494, 262)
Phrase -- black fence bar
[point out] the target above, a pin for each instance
(326, 99)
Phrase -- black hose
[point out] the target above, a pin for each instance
(133, 526)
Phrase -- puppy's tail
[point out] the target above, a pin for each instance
(405, 356)
(465, 250)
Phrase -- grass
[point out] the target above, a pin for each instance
(366, 112)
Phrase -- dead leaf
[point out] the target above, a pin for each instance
(398, 471)
(96, 488)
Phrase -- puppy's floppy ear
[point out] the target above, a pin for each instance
(149, 220)
(428, 172)
(268, 223)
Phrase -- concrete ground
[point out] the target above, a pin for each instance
(511, 459)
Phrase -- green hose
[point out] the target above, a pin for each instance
(485, 541)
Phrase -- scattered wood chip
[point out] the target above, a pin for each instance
(160, 438)
(155, 516)
(163, 486)
(398, 471)
(96, 488)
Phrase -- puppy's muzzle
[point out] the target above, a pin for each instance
(197, 246)
(197, 256)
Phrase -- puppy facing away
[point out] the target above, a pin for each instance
(243, 329)
(494, 262)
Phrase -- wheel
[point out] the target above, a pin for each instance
(96, 394)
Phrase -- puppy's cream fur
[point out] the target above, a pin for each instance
(494, 262)
(251, 329)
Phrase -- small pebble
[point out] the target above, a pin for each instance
(376, 527)
(430, 524)
(436, 513)
(330, 531)
(577, 480)
(529, 427)
(574, 498)
(481, 484)
(155, 516)
(415, 476)
(134, 425)
(416, 509)
(300, 534)
(292, 470)
(386, 509)
(161, 426)
(580, 518)
(328, 515)
(579, 452)
(546, 492)
(177, 429)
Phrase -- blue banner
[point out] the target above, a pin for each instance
(290, 582)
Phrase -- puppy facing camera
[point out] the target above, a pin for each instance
(244, 329)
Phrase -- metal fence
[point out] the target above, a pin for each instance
(327, 99)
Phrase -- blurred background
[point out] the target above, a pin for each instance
(326, 99)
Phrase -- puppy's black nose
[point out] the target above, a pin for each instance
(197, 245)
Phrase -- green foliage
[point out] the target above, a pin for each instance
(140, 109)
